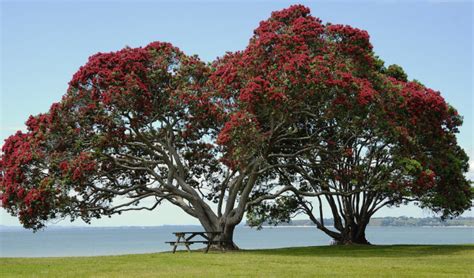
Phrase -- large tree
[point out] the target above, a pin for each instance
(306, 112)
(137, 127)
(363, 137)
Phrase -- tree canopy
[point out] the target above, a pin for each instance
(305, 115)
(363, 135)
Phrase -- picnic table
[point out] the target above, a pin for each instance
(185, 238)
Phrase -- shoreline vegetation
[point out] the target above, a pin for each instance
(321, 261)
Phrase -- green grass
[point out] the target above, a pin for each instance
(324, 261)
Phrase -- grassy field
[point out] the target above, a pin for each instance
(324, 261)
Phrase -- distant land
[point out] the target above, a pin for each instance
(402, 221)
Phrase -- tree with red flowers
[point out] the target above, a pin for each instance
(305, 115)
(362, 136)
(137, 127)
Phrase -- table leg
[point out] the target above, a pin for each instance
(174, 247)
(176, 243)
(187, 246)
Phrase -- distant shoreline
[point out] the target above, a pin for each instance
(402, 221)
(55, 228)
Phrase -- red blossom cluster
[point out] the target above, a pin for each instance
(81, 166)
(426, 180)
(22, 183)
(241, 134)
(259, 88)
(123, 73)
(414, 109)
(350, 41)
(16, 153)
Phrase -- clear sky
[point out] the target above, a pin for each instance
(44, 43)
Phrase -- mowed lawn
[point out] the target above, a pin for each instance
(322, 261)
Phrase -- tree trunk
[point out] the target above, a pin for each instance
(351, 241)
(355, 234)
(220, 225)
(227, 238)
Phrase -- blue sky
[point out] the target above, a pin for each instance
(44, 43)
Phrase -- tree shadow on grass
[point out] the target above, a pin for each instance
(393, 251)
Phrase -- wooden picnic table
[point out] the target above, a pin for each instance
(185, 238)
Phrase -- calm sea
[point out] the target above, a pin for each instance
(128, 240)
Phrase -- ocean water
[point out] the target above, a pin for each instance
(129, 240)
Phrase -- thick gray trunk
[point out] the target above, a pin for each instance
(210, 223)
(227, 238)
(353, 234)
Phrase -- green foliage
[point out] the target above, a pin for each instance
(275, 213)
(397, 72)
(410, 165)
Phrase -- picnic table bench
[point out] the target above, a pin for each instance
(185, 238)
